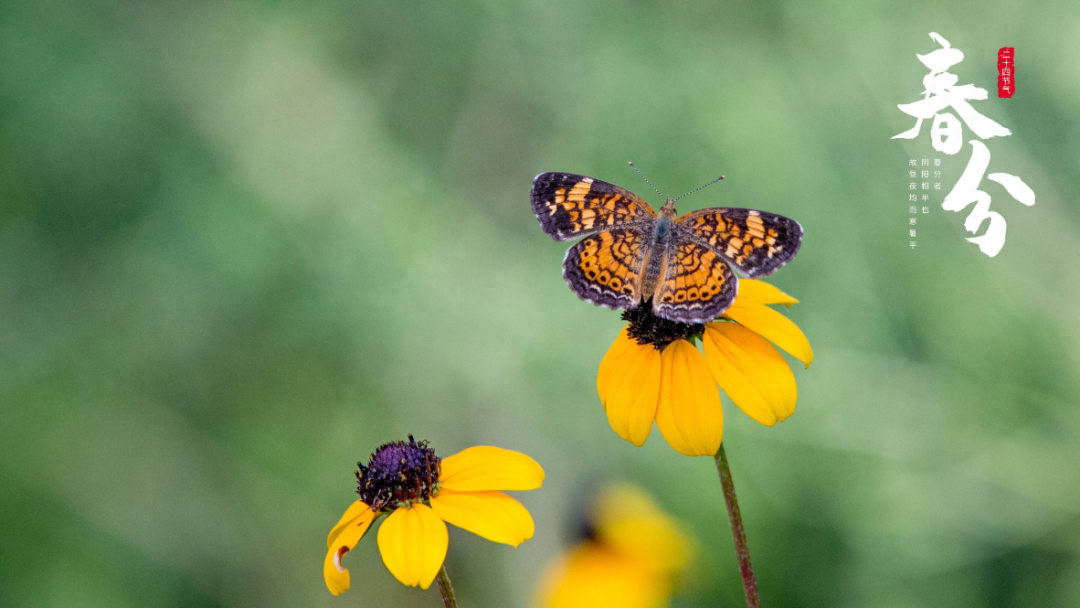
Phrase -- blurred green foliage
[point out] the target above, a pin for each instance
(243, 244)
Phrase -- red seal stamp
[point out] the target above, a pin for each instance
(1006, 72)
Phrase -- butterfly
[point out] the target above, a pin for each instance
(632, 255)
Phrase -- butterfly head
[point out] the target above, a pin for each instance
(668, 210)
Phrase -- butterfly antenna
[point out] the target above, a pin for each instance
(708, 184)
(646, 180)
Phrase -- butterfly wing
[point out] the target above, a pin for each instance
(696, 286)
(606, 268)
(755, 242)
(569, 206)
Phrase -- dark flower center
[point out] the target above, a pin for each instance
(647, 328)
(586, 531)
(398, 473)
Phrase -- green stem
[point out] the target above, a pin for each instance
(448, 599)
(737, 531)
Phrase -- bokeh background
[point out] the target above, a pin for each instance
(243, 244)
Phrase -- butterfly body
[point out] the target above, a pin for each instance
(630, 254)
(663, 234)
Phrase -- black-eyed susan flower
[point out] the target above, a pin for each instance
(632, 556)
(420, 492)
(655, 372)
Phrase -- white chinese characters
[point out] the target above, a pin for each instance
(946, 136)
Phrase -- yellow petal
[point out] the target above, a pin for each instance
(752, 291)
(774, 327)
(483, 468)
(336, 575)
(413, 542)
(354, 510)
(629, 386)
(751, 372)
(616, 352)
(592, 576)
(631, 523)
(492, 515)
(689, 414)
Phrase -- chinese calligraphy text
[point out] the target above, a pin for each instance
(946, 135)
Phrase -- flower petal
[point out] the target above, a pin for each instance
(492, 515)
(483, 467)
(336, 575)
(751, 372)
(617, 351)
(689, 413)
(591, 576)
(630, 522)
(774, 327)
(413, 542)
(351, 513)
(752, 291)
(629, 387)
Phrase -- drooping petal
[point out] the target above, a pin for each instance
(772, 326)
(689, 414)
(751, 372)
(752, 291)
(413, 542)
(335, 574)
(629, 387)
(483, 467)
(616, 352)
(492, 515)
(351, 513)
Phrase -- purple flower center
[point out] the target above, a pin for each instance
(398, 473)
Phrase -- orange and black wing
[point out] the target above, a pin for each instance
(606, 268)
(757, 243)
(696, 286)
(569, 206)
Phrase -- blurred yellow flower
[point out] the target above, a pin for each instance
(654, 372)
(632, 558)
(420, 492)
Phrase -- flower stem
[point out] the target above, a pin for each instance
(448, 599)
(737, 531)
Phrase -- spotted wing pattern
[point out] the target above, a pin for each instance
(606, 268)
(697, 285)
(569, 206)
(756, 242)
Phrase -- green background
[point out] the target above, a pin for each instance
(241, 245)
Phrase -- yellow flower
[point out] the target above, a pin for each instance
(420, 492)
(653, 371)
(632, 558)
